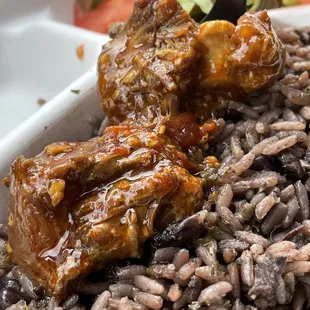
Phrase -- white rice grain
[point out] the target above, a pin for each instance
(175, 292)
(258, 148)
(278, 146)
(148, 300)
(214, 293)
(299, 268)
(263, 207)
(148, 285)
(305, 112)
(244, 185)
(242, 165)
(288, 125)
(102, 301)
(225, 196)
(301, 66)
(281, 246)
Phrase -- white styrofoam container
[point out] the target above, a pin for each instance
(38, 55)
(65, 117)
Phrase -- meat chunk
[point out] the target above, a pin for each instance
(236, 60)
(77, 206)
(145, 71)
(162, 62)
(67, 169)
(247, 56)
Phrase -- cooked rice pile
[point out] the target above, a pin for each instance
(248, 248)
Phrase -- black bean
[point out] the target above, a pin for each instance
(304, 37)
(305, 279)
(299, 298)
(70, 302)
(303, 200)
(307, 156)
(287, 193)
(28, 285)
(307, 295)
(293, 208)
(181, 232)
(281, 307)
(21, 305)
(94, 288)
(5, 282)
(274, 218)
(290, 165)
(9, 296)
(298, 151)
(262, 162)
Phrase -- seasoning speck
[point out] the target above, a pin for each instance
(76, 91)
(41, 101)
(80, 52)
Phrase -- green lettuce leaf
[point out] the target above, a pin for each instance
(204, 5)
(252, 5)
(187, 5)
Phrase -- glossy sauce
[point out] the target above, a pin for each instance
(112, 189)
(248, 56)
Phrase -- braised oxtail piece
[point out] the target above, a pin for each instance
(248, 56)
(161, 62)
(145, 71)
(236, 60)
(77, 206)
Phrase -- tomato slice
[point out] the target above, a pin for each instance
(106, 13)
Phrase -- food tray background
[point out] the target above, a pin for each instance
(38, 55)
